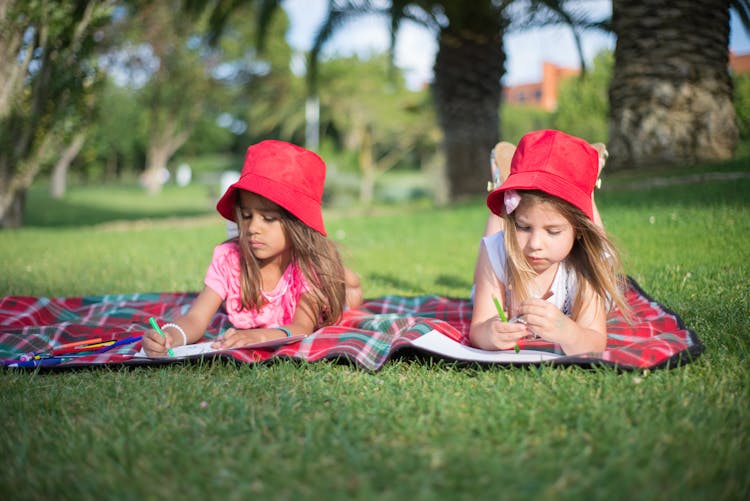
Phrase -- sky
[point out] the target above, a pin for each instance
(416, 47)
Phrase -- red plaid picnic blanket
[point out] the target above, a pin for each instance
(368, 336)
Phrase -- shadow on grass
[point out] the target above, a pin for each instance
(732, 192)
(92, 206)
(453, 281)
(397, 283)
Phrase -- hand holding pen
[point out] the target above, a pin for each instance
(506, 331)
(156, 344)
(518, 319)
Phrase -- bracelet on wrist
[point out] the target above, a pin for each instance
(179, 329)
(285, 331)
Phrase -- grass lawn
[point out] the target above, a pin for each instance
(418, 429)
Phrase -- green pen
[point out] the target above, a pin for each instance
(501, 313)
(499, 309)
(161, 332)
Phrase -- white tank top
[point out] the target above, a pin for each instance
(563, 286)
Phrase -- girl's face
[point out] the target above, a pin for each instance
(543, 234)
(262, 221)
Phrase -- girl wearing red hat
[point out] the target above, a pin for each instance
(281, 275)
(551, 267)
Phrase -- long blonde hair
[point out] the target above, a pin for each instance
(316, 256)
(593, 259)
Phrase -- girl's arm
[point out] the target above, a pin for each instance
(303, 322)
(487, 331)
(353, 289)
(586, 334)
(193, 323)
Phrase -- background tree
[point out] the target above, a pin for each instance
(46, 71)
(671, 93)
(468, 66)
(376, 117)
(583, 102)
(168, 50)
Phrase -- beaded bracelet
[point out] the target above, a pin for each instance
(179, 329)
(285, 331)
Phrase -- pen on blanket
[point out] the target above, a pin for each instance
(158, 329)
(78, 343)
(82, 348)
(96, 348)
(121, 342)
(63, 348)
(44, 362)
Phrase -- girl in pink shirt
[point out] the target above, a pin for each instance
(281, 275)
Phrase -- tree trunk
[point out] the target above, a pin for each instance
(158, 153)
(468, 68)
(367, 165)
(671, 92)
(58, 181)
(13, 189)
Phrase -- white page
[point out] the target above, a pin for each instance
(205, 347)
(441, 344)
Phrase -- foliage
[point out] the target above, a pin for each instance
(583, 102)
(517, 120)
(420, 428)
(742, 103)
(48, 79)
(375, 117)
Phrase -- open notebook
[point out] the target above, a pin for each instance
(204, 348)
(440, 344)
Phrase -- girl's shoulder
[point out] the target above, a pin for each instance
(494, 245)
(227, 249)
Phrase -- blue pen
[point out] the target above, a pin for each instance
(158, 329)
(44, 362)
(121, 342)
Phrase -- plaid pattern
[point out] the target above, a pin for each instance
(367, 336)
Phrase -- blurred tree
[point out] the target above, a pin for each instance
(267, 100)
(116, 142)
(583, 103)
(671, 93)
(376, 117)
(518, 119)
(45, 73)
(468, 67)
(742, 104)
(166, 48)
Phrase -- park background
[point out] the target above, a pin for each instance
(418, 428)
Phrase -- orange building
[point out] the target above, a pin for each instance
(544, 94)
(739, 64)
(540, 94)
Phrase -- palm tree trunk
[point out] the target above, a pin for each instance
(671, 92)
(468, 68)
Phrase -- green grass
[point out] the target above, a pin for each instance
(417, 429)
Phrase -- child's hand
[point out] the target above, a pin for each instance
(154, 345)
(545, 320)
(503, 335)
(234, 338)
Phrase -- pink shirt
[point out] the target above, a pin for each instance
(223, 277)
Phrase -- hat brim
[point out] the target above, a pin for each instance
(294, 201)
(542, 181)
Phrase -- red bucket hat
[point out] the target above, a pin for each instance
(286, 174)
(555, 163)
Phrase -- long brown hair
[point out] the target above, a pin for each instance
(316, 256)
(594, 258)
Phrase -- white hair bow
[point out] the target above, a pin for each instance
(511, 199)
